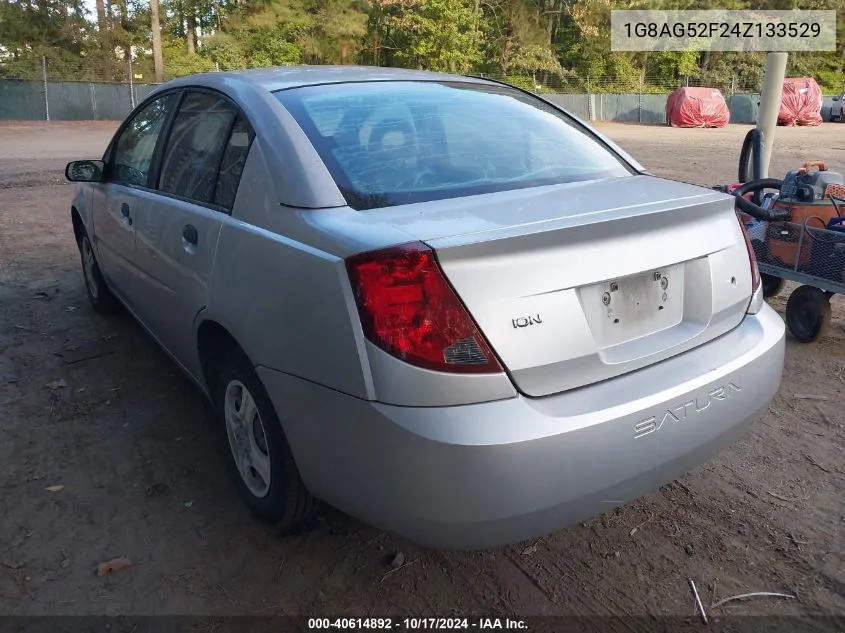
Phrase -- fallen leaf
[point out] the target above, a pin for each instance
(11, 564)
(54, 488)
(156, 489)
(57, 384)
(188, 504)
(397, 561)
(44, 284)
(86, 351)
(529, 550)
(115, 564)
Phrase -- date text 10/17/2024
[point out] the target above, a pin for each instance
(387, 624)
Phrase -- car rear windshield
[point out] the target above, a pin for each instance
(392, 143)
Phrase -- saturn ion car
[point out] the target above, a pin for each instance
(438, 303)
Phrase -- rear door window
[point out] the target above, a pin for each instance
(232, 164)
(195, 147)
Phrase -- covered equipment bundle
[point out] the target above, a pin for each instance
(697, 107)
(801, 102)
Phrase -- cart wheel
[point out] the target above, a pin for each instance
(772, 286)
(808, 313)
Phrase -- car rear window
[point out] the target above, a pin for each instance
(392, 143)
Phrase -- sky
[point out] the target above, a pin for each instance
(91, 8)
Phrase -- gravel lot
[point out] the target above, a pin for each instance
(141, 460)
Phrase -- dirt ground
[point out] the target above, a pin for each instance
(141, 463)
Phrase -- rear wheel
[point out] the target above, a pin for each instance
(772, 286)
(266, 474)
(808, 313)
(99, 295)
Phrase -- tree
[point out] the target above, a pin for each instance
(428, 34)
(158, 59)
(530, 42)
(103, 29)
(338, 32)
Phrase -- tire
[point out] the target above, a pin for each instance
(772, 286)
(808, 313)
(99, 294)
(261, 451)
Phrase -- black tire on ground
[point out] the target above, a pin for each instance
(772, 286)
(808, 313)
(98, 292)
(287, 504)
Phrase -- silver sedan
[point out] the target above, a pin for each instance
(438, 303)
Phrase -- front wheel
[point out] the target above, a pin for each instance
(99, 295)
(266, 474)
(808, 313)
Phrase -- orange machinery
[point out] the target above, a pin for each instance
(813, 196)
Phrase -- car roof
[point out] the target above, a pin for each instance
(302, 179)
(284, 77)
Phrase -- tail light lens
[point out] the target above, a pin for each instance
(409, 310)
(752, 257)
(755, 303)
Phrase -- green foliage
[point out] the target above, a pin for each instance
(540, 45)
(339, 29)
(270, 49)
(441, 35)
(225, 51)
(178, 63)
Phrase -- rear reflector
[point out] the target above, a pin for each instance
(408, 309)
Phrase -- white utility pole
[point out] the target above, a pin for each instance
(767, 116)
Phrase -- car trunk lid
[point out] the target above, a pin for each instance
(576, 283)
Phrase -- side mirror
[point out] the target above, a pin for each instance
(85, 171)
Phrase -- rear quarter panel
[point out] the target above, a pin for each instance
(288, 304)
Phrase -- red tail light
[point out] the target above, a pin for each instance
(752, 256)
(410, 311)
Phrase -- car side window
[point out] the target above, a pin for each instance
(232, 166)
(195, 147)
(133, 152)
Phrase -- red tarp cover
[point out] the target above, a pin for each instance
(801, 103)
(697, 107)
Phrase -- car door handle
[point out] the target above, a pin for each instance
(124, 211)
(190, 234)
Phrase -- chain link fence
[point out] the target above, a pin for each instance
(43, 92)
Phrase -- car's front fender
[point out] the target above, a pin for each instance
(82, 203)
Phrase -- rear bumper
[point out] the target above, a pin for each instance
(488, 474)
